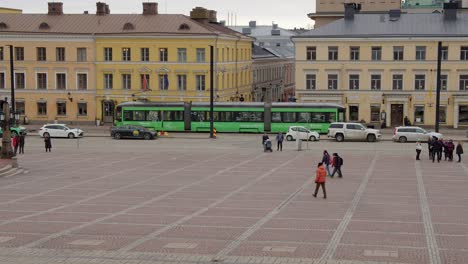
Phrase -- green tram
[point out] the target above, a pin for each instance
(229, 117)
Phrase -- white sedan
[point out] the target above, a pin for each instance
(295, 132)
(59, 130)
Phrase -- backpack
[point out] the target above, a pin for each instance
(340, 161)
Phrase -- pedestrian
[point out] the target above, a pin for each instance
(446, 149)
(337, 162)
(326, 160)
(406, 121)
(320, 178)
(430, 147)
(451, 148)
(437, 150)
(418, 150)
(459, 151)
(279, 139)
(22, 139)
(48, 143)
(15, 143)
(264, 138)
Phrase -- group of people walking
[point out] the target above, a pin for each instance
(437, 147)
(323, 170)
(18, 142)
(267, 145)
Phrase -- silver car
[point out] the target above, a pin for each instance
(405, 134)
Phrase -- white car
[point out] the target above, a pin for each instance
(59, 130)
(295, 132)
(412, 133)
(353, 131)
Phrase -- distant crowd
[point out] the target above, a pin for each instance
(438, 148)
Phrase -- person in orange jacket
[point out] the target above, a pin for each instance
(320, 178)
(15, 143)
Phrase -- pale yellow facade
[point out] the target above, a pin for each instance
(378, 92)
(5, 10)
(187, 68)
(46, 88)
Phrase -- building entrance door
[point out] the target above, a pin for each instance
(397, 115)
(108, 112)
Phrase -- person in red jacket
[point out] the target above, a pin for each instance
(321, 175)
(15, 143)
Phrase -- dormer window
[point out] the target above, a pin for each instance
(128, 26)
(184, 27)
(44, 26)
(3, 26)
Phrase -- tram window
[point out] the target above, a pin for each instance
(276, 117)
(118, 114)
(289, 117)
(303, 118)
(225, 116)
(331, 117)
(198, 116)
(248, 116)
(153, 116)
(173, 115)
(318, 118)
(139, 115)
(128, 115)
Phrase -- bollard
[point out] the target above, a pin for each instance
(214, 132)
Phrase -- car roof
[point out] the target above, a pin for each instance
(408, 127)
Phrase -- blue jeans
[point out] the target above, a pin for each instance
(327, 167)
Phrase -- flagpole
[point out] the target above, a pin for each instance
(211, 90)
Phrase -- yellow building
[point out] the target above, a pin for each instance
(383, 67)
(5, 10)
(148, 56)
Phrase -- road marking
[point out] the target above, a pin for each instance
(335, 240)
(434, 254)
(381, 253)
(85, 242)
(6, 239)
(181, 245)
(280, 249)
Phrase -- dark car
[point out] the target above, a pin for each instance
(129, 131)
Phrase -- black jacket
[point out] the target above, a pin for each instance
(459, 149)
(437, 146)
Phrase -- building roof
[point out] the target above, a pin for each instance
(408, 25)
(264, 31)
(86, 24)
(262, 53)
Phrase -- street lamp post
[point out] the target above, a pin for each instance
(211, 90)
(439, 66)
(7, 152)
(12, 79)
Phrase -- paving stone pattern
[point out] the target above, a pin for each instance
(225, 201)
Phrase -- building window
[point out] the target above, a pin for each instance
(398, 52)
(310, 81)
(397, 82)
(2, 80)
(200, 55)
(42, 108)
(354, 81)
(163, 53)
(443, 82)
(19, 53)
(107, 54)
(445, 53)
(419, 113)
(20, 107)
(376, 81)
(82, 109)
(353, 113)
(41, 81)
(61, 108)
(311, 53)
(20, 81)
(354, 53)
(376, 53)
(464, 53)
(443, 114)
(332, 81)
(126, 81)
(145, 82)
(41, 54)
(182, 55)
(144, 54)
(182, 82)
(375, 113)
(332, 53)
(1, 54)
(60, 54)
(420, 53)
(126, 54)
(163, 82)
(60, 81)
(463, 114)
(463, 82)
(81, 54)
(82, 81)
(108, 81)
(419, 82)
(200, 82)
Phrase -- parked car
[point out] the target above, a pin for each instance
(411, 133)
(129, 131)
(353, 131)
(60, 130)
(15, 131)
(295, 132)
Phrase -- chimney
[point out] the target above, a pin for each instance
(253, 24)
(212, 16)
(55, 9)
(222, 22)
(150, 8)
(102, 9)
(350, 10)
(275, 26)
(203, 15)
(450, 11)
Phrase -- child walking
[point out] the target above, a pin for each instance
(320, 178)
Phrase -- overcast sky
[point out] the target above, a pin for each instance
(286, 14)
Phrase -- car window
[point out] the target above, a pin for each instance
(336, 126)
(351, 126)
(421, 131)
(402, 130)
(294, 129)
(301, 129)
(50, 127)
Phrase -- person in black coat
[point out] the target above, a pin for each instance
(430, 147)
(21, 143)
(459, 151)
(437, 147)
(48, 143)
(264, 138)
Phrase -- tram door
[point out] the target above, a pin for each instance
(108, 112)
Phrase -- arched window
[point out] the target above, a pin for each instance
(3, 26)
(184, 27)
(128, 26)
(44, 26)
